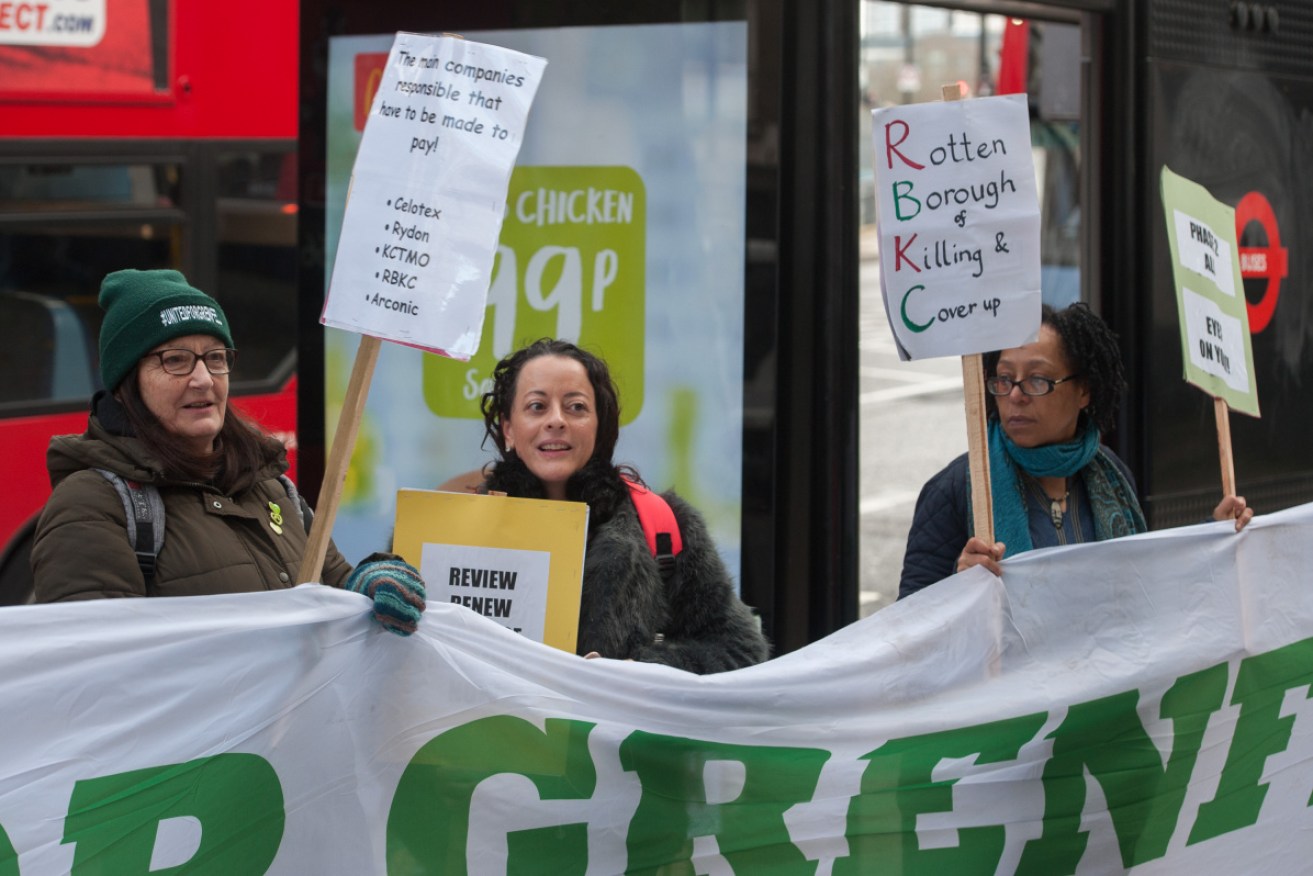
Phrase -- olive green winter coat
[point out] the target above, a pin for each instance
(213, 543)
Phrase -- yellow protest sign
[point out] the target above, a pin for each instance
(519, 562)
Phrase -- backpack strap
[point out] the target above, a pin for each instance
(144, 510)
(659, 526)
(302, 507)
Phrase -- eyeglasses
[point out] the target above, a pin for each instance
(183, 362)
(1033, 385)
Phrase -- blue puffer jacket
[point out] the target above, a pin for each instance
(942, 524)
(940, 528)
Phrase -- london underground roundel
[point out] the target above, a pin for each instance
(1268, 262)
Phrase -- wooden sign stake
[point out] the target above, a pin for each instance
(973, 396)
(339, 456)
(1224, 445)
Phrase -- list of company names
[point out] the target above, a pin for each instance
(404, 252)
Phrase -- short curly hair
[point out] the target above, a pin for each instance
(496, 403)
(1091, 348)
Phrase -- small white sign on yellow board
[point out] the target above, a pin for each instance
(519, 562)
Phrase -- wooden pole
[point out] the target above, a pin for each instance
(339, 456)
(973, 396)
(1224, 445)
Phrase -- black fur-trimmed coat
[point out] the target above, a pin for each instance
(628, 611)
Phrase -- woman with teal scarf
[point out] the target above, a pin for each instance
(1052, 480)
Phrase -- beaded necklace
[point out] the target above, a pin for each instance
(1055, 504)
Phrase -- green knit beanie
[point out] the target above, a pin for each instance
(147, 308)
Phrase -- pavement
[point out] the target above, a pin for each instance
(911, 424)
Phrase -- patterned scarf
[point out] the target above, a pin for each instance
(1116, 509)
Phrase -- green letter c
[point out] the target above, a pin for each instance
(903, 311)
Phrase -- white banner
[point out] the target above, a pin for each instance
(429, 191)
(1134, 706)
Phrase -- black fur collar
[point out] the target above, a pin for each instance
(598, 484)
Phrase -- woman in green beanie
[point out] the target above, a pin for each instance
(232, 522)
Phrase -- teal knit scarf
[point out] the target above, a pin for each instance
(1116, 509)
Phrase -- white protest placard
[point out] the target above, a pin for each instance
(958, 215)
(429, 191)
(1205, 251)
(1213, 341)
(1216, 347)
(485, 581)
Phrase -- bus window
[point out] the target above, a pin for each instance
(45, 354)
(53, 187)
(256, 284)
(63, 226)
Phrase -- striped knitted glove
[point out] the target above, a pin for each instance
(395, 587)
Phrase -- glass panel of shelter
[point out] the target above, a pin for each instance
(911, 416)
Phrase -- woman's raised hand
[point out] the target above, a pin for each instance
(1234, 508)
(979, 552)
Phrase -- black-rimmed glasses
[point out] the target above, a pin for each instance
(182, 362)
(1033, 385)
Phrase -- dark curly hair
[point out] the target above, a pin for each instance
(1091, 348)
(598, 483)
(496, 403)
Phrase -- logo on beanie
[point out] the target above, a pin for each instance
(189, 313)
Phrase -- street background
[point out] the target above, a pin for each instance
(912, 424)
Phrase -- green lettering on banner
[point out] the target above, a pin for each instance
(1261, 730)
(237, 799)
(1107, 738)
(749, 830)
(524, 850)
(429, 822)
(898, 785)
(8, 857)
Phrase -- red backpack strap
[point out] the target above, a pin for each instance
(659, 526)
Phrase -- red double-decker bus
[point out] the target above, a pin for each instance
(138, 134)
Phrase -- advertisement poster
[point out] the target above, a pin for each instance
(90, 48)
(56, 22)
(624, 232)
(958, 216)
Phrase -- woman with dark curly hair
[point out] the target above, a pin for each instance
(554, 415)
(1053, 482)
